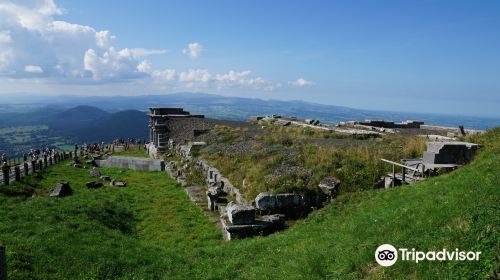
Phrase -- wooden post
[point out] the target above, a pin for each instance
(33, 166)
(26, 169)
(17, 173)
(6, 173)
(3, 263)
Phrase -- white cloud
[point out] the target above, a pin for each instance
(104, 38)
(140, 52)
(166, 75)
(243, 79)
(300, 82)
(193, 50)
(33, 69)
(29, 35)
(33, 45)
(195, 75)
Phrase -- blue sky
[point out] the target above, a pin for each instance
(420, 56)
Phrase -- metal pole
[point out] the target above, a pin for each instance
(403, 175)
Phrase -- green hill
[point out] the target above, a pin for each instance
(75, 118)
(123, 124)
(150, 230)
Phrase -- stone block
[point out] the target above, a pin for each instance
(116, 183)
(240, 214)
(61, 189)
(265, 201)
(287, 200)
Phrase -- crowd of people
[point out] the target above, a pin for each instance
(35, 154)
(121, 141)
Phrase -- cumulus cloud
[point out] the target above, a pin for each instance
(243, 79)
(195, 75)
(193, 50)
(35, 45)
(300, 82)
(29, 36)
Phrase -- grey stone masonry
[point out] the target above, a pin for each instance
(143, 164)
(159, 130)
(240, 214)
(265, 201)
(449, 152)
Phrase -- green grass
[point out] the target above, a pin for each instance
(132, 153)
(141, 229)
(150, 230)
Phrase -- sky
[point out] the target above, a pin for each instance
(415, 56)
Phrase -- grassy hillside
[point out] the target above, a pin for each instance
(151, 230)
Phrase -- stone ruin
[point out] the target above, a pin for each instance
(439, 155)
(162, 126)
(449, 153)
(266, 214)
(391, 124)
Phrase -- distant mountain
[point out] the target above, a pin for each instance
(237, 108)
(124, 124)
(40, 115)
(76, 118)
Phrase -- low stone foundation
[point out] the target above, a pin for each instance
(142, 164)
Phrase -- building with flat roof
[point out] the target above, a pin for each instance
(159, 128)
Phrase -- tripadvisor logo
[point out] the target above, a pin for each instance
(387, 255)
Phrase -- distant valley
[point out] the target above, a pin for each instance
(64, 121)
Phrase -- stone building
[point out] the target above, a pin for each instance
(160, 128)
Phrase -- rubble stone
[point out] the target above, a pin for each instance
(265, 201)
(93, 185)
(95, 172)
(330, 186)
(287, 200)
(61, 189)
(240, 214)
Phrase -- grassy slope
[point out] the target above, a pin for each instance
(150, 229)
(141, 229)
